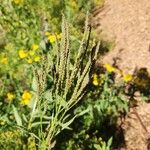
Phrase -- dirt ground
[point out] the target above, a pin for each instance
(127, 23)
(137, 128)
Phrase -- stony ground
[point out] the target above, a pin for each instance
(127, 23)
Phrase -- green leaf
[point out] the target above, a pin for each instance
(39, 123)
(109, 142)
(35, 84)
(24, 117)
(104, 146)
(66, 125)
(48, 96)
(17, 117)
(43, 44)
(83, 112)
(62, 102)
(97, 147)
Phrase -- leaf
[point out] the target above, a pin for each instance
(109, 143)
(43, 44)
(39, 123)
(35, 84)
(66, 117)
(66, 125)
(104, 146)
(17, 117)
(33, 101)
(48, 96)
(97, 147)
(24, 118)
(62, 102)
(83, 112)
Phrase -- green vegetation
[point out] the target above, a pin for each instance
(52, 93)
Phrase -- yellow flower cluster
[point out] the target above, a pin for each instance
(95, 79)
(10, 96)
(18, 2)
(98, 79)
(26, 97)
(127, 77)
(52, 38)
(31, 55)
(23, 53)
(111, 69)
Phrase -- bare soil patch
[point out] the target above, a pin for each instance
(127, 23)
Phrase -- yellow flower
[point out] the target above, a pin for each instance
(18, 1)
(4, 60)
(10, 96)
(31, 53)
(26, 97)
(53, 38)
(109, 68)
(102, 78)
(95, 80)
(22, 53)
(30, 61)
(37, 58)
(25, 101)
(127, 77)
(35, 46)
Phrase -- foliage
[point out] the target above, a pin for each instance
(51, 94)
(105, 103)
(49, 105)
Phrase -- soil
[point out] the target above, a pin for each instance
(136, 128)
(127, 24)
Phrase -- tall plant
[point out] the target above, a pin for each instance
(59, 84)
